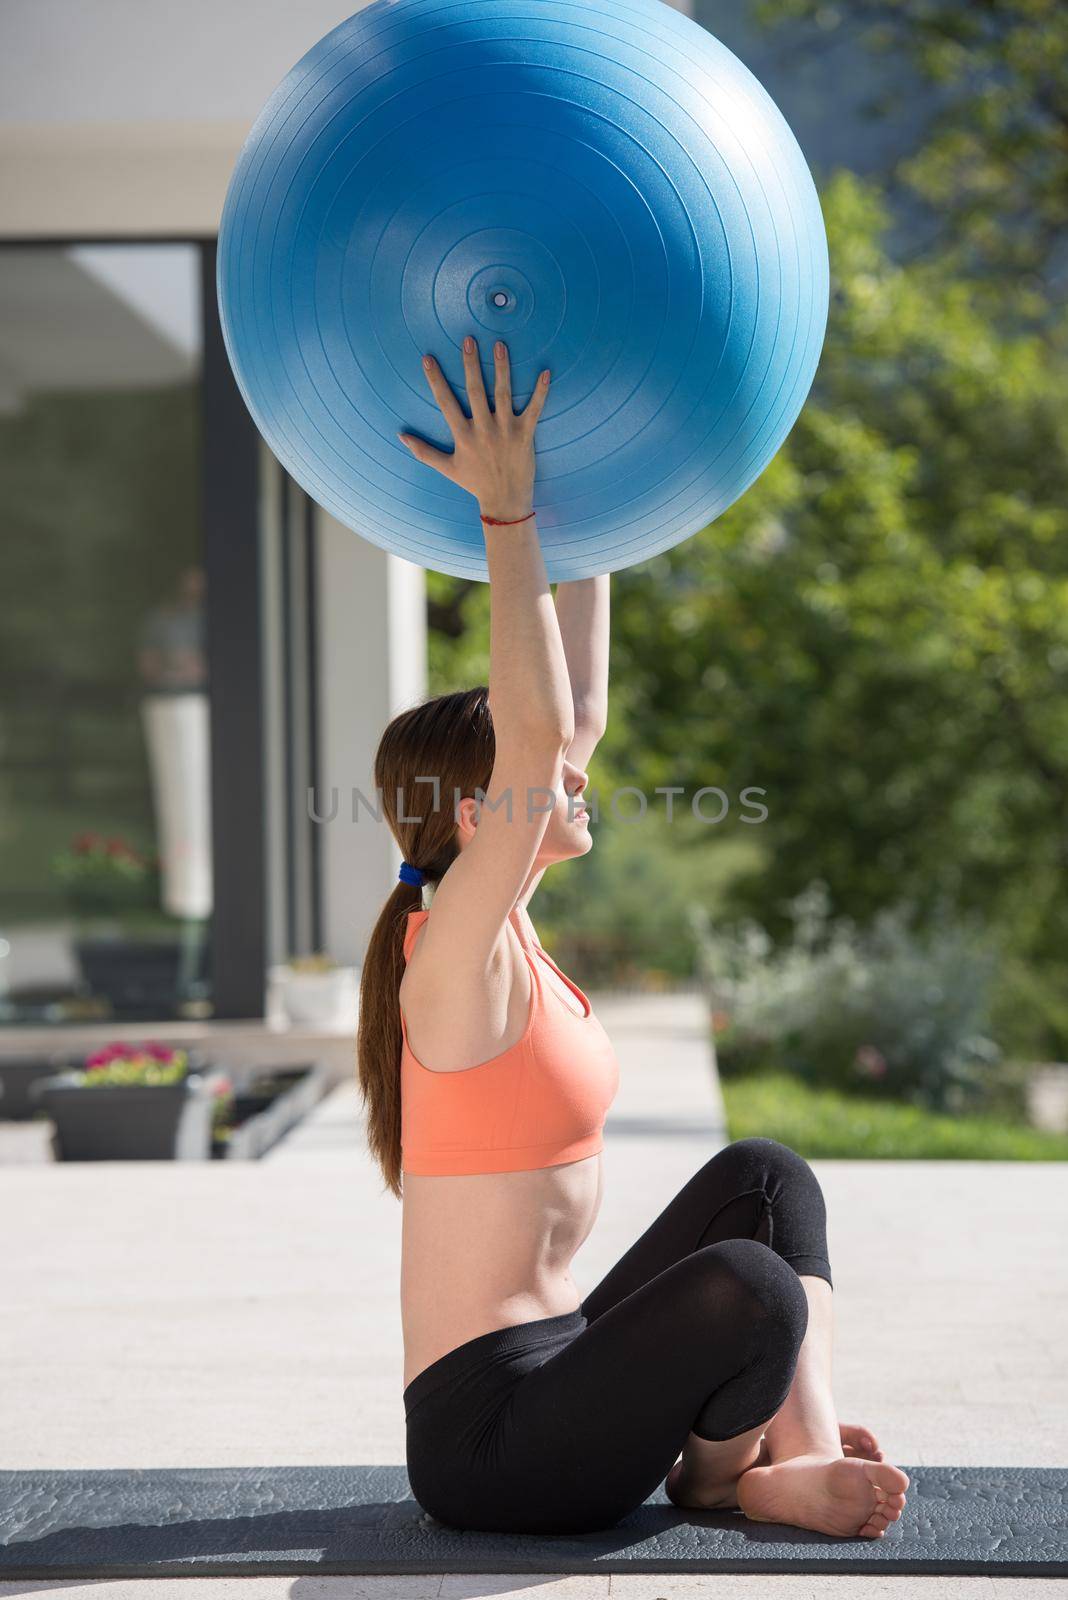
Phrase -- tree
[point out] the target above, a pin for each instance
(993, 164)
(878, 632)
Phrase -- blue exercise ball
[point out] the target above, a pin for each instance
(603, 186)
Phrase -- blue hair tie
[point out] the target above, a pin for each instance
(412, 875)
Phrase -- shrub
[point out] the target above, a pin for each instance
(621, 914)
(890, 1010)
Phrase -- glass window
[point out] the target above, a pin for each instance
(105, 824)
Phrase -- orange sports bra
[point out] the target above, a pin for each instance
(538, 1104)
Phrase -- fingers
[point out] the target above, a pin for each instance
(451, 409)
(428, 454)
(476, 388)
(502, 380)
(536, 403)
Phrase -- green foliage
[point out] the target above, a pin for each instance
(878, 632)
(824, 1123)
(901, 1014)
(992, 167)
(621, 915)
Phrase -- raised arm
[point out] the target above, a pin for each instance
(529, 690)
(582, 609)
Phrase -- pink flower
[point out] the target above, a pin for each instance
(158, 1052)
(223, 1087)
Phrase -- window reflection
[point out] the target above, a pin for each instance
(105, 828)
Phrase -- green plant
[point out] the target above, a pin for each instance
(826, 1123)
(128, 1064)
(222, 1111)
(892, 1011)
(620, 915)
(102, 875)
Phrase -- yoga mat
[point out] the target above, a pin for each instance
(244, 1521)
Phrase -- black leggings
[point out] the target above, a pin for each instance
(565, 1424)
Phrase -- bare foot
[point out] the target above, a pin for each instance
(689, 1496)
(842, 1495)
(855, 1442)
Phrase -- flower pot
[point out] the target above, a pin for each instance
(142, 1122)
(317, 999)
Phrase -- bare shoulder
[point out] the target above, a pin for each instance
(454, 1019)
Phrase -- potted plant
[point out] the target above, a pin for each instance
(130, 1102)
(315, 992)
(130, 953)
(104, 877)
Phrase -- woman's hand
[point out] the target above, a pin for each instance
(494, 450)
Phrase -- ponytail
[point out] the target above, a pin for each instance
(451, 738)
(378, 1036)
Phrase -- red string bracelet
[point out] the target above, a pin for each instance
(499, 523)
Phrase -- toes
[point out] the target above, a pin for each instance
(874, 1527)
(859, 1442)
(887, 1510)
(891, 1479)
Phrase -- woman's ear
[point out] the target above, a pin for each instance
(466, 819)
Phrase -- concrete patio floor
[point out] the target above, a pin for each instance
(161, 1314)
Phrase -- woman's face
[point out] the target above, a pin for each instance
(568, 833)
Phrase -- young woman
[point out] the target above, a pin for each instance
(704, 1356)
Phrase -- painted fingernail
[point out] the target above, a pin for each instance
(469, 343)
(428, 362)
(545, 377)
(499, 348)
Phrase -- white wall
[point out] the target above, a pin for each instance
(128, 115)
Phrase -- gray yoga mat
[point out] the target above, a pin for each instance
(244, 1521)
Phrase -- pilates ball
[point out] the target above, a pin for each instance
(603, 186)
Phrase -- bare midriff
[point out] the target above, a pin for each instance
(488, 1250)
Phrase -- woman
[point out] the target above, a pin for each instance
(704, 1355)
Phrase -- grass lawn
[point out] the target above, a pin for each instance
(824, 1123)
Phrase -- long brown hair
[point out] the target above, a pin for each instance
(449, 738)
